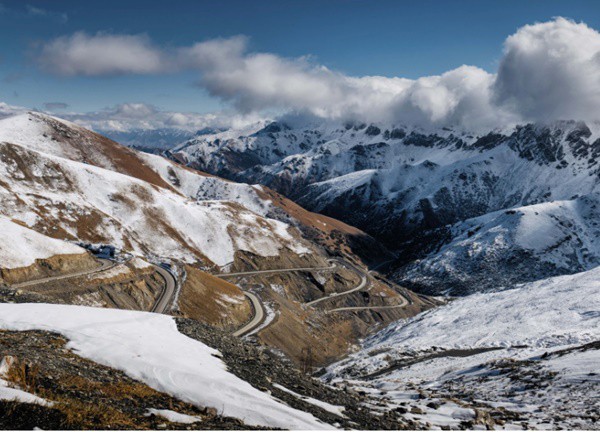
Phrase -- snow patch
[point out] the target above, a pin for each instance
(148, 347)
(174, 416)
(333, 409)
(20, 246)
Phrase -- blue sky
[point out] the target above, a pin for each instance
(389, 38)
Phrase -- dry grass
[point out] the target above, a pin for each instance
(24, 375)
(81, 415)
(96, 150)
(118, 390)
(78, 412)
(313, 220)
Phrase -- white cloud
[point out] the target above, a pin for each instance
(253, 82)
(29, 11)
(548, 71)
(10, 110)
(101, 54)
(36, 11)
(130, 116)
(551, 70)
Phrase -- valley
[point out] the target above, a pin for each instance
(429, 195)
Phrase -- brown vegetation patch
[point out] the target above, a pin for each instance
(142, 193)
(204, 298)
(25, 161)
(313, 220)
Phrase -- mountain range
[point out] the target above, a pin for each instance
(435, 198)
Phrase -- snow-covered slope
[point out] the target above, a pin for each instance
(148, 347)
(20, 246)
(545, 364)
(552, 312)
(510, 246)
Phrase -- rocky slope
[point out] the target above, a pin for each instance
(149, 371)
(507, 247)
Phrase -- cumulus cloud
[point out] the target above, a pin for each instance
(101, 54)
(551, 70)
(257, 81)
(547, 71)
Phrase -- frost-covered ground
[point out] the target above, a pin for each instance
(530, 354)
(149, 348)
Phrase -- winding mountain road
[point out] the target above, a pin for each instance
(257, 306)
(165, 299)
(363, 283)
(257, 319)
(259, 310)
(286, 270)
(355, 308)
(161, 305)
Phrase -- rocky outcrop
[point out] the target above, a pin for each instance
(47, 267)
(86, 395)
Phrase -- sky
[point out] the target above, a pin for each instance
(242, 59)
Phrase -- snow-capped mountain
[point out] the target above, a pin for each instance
(408, 186)
(506, 247)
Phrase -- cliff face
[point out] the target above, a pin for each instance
(134, 285)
